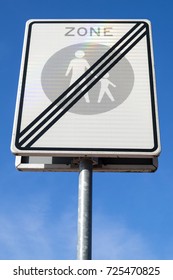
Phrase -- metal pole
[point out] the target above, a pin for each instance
(84, 245)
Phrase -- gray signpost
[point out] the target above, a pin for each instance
(84, 247)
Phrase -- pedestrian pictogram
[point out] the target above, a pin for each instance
(105, 88)
(78, 66)
(87, 88)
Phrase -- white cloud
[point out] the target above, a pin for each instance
(34, 234)
(23, 234)
(117, 241)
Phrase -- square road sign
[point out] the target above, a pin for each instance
(87, 88)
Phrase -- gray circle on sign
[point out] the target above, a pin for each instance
(108, 93)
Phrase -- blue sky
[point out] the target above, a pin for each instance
(132, 213)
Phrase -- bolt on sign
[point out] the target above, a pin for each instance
(87, 88)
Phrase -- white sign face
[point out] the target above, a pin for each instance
(86, 88)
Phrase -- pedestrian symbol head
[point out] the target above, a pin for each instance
(79, 54)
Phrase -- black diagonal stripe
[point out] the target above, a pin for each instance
(79, 88)
(86, 90)
(79, 80)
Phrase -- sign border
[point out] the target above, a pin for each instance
(18, 150)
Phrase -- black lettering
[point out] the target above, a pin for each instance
(50, 272)
(70, 271)
(15, 271)
(60, 271)
(55, 271)
(40, 272)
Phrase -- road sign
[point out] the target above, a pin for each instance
(87, 88)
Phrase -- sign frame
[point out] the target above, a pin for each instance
(81, 152)
(67, 164)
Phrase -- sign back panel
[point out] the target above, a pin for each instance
(87, 88)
